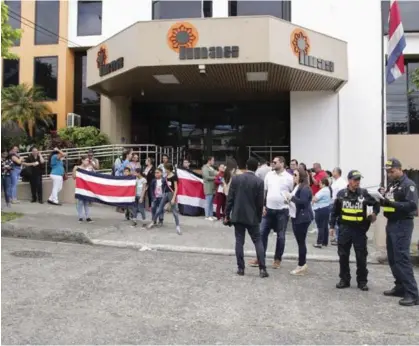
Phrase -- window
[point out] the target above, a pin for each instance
(89, 18)
(403, 104)
(10, 72)
(169, 9)
(280, 9)
(14, 16)
(47, 22)
(409, 12)
(86, 101)
(46, 69)
(42, 128)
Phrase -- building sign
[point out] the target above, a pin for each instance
(225, 52)
(300, 45)
(104, 67)
(182, 35)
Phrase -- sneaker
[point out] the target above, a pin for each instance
(318, 246)
(276, 264)
(134, 222)
(80, 220)
(334, 242)
(160, 224)
(150, 225)
(314, 230)
(299, 270)
(15, 201)
(254, 263)
(178, 231)
(89, 220)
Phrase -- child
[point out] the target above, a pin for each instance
(141, 188)
(220, 197)
(82, 204)
(157, 187)
(127, 173)
(170, 189)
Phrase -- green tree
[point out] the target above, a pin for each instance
(8, 34)
(87, 136)
(23, 105)
(415, 78)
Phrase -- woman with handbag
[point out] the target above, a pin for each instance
(57, 175)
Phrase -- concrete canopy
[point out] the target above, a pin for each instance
(259, 55)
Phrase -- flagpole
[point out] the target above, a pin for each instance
(383, 127)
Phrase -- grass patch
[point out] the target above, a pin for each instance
(5, 217)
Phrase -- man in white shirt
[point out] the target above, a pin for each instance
(339, 183)
(278, 184)
(263, 169)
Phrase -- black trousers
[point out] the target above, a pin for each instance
(240, 231)
(357, 237)
(399, 238)
(36, 186)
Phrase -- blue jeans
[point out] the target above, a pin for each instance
(276, 220)
(14, 174)
(6, 181)
(167, 197)
(322, 221)
(138, 208)
(154, 207)
(209, 208)
(82, 205)
(300, 233)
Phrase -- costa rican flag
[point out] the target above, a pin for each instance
(105, 188)
(396, 44)
(190, 197)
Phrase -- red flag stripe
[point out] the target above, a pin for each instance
(191, 188)
(105, 190)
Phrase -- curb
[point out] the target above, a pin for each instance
(207, 251)
(58, 235)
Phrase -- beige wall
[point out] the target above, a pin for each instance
(115, 118)
(260, 39)
(405, 148)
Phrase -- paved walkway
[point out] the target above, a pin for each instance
(110, 228)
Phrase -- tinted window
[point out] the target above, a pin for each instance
(14, 15)
(89, 18)
(46, 75)
(10, 72)
(409, 12)
(47, 15)
(170, 9)
(403, 104)
(280, 9)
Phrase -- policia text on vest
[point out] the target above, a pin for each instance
(350, 212)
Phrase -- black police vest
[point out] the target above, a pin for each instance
(353, 209)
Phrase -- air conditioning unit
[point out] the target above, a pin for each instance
(73, 120)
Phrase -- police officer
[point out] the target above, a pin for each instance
(400, 205)
(350, 211)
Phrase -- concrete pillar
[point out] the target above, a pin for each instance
(115, 118)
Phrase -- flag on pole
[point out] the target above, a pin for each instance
(396, 44)
(105, 188)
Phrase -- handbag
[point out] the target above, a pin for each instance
(65, 177)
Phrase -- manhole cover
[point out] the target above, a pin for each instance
(31, 254)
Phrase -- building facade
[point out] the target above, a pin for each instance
(290, 77)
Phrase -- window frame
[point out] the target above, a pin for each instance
(285, 9)
(203, 3)
(18, 71)
(47, 99)
(8, 2)
(78, 18)
(384, 16)
(47, 32)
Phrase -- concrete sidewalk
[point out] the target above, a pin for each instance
(59, 223)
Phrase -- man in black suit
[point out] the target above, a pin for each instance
(244, 210)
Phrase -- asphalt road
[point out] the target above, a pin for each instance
(78, 294)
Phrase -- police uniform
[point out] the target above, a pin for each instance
(400, 206)
(350, 211)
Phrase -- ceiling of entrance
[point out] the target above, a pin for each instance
(218, 80)
(263, 58)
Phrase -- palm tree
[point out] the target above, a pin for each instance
(24, 105)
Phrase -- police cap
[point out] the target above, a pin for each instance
(355, 175)
(393, 163)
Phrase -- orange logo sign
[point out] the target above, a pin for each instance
(300, 42)
(102, 57)
(182, 35)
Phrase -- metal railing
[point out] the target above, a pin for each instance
(107, 154)
(268, 152)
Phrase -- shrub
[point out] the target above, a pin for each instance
(54, 141)
(88, 136)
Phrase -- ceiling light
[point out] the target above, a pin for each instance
(257, 76)
(166, 79)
